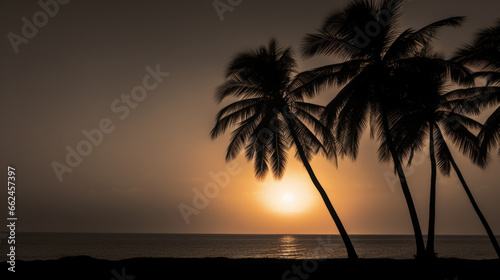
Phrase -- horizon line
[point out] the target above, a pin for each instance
(191, 233)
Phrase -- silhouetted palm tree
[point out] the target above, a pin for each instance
(432, 112)
(365, 35)
(484, 54)
(271, 116)
(465, 102)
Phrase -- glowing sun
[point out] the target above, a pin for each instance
(288, 198)
(291, 195)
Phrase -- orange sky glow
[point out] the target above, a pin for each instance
(160, 156)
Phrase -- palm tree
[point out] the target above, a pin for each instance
(432, 112)
(484, 54)
(271, 116)
(364, 34)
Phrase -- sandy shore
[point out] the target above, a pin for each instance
(221, 268)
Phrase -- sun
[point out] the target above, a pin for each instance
(289, 196)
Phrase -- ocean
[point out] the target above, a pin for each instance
(112, 246)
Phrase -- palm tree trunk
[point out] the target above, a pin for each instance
(432, 201)
(476, 208)
(419, 239)
(351, 252)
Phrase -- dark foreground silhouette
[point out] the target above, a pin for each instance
(222, 268)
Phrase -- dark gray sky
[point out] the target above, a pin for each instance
(67, 76)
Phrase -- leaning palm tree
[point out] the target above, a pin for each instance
(431, 112)
(271, 116)
(484, 53)
(364, 34)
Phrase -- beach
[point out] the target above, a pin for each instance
(84, 267)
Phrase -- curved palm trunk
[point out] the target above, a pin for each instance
(492, 237)
(419, 239)
(351, 252)
(432, 201)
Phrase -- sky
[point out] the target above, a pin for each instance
(84, 71)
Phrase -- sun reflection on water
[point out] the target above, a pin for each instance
(288, 246)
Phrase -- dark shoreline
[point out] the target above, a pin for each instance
(83, 267)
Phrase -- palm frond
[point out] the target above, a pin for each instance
(237, 106)
(279, 149)
(470, 92)
(410, 41)
(455, 127)
(341, 31)
(261, 160)
(322, 135)
(443, 154)
(309, 83)
(489, 137)
(334, 107)
(475, 99)
(238, 88)
(240, 136)
(484, 52)
(307, 140)
(457, 72)
(350, 123)
(313, 109)
(229, 119)
(409, 133)
(324, 43)
(260, 146)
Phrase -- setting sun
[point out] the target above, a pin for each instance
(288, 198)
(291, 195)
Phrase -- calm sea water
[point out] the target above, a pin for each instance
(43, 246)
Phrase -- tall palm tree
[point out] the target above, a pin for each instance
(467, 143)
(432, 112)
(364, 34)
(271, 116)
(484, 53)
